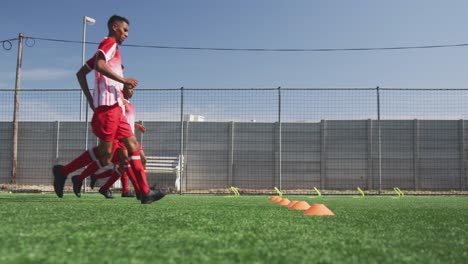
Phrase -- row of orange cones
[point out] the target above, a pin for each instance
(314, 209)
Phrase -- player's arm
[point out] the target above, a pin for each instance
(81, 76)
(104, 69)
(141, 128)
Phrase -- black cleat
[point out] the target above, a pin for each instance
(93, 181)
(59, 180)
(127, 194)
(152, 196)
(107, 193)
(138, 196)
(77, 186)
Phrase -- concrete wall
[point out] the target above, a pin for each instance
(416, 154)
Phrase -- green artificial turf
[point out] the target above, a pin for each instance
(40, 228)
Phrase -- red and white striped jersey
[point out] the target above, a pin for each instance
(130, 114)
(107, 91)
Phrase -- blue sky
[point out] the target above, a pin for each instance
(268, 24)
(247, 24)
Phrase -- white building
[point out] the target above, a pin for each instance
(194, 118)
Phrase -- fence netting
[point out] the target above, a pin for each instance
(294, 139)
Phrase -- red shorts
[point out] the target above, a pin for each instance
(110, 124)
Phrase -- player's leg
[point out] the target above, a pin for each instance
(104, 123)
(105, 149)
(134, 180)
(77, 180)
(135, 163)
(124, 179)
(142, 156)
(148, 196)
(126, 136)
(119, 158)
(105, 189)
(132, 175)
(106, 173)
(61, 172)
(92, 168)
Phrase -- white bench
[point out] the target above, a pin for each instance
(155, 164)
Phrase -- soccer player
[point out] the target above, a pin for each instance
(121, 169)
(108, 122)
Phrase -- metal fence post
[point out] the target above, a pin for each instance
(416, 154)
(462, 155)
(230, 153)
(279, 140)
(182, 176)
(379, 139)
(370, 178)
(323, 154)
(57, 142)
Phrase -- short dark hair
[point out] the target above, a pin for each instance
(116, 18)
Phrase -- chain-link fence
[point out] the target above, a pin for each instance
(258, 139)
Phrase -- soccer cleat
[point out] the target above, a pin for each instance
(138, 196)
(127, 194)
(77, 186)
(59, 180)
(93, 181)
(106, 192)
(152, 196)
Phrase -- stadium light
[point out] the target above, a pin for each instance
(89, 20)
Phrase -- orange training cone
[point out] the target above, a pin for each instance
(279, 200)
(301, 205)
(284, 202)
(275, 198)
(292, 203)
(319, 210)
(272, 197)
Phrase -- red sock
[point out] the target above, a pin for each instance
(84, 159)
(139, 170)
(92, 168)
(115, 176)
(133, 178)
(124, 181)
(104, 174)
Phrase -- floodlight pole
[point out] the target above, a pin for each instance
(90, 21)
(16, 110)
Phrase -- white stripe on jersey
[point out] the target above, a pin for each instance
(110, 54)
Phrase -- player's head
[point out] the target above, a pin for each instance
(127, 92)
(118, 28)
